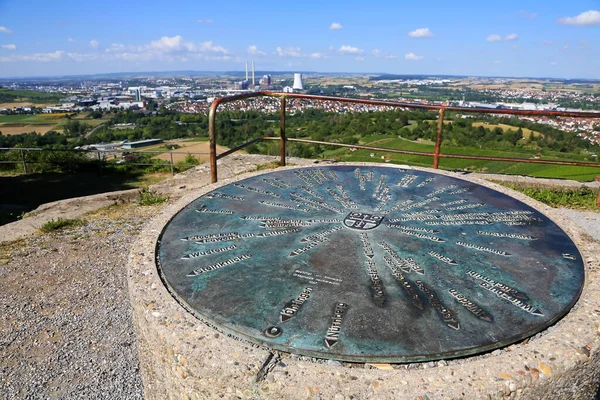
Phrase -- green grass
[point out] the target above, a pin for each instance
(61, 223)
(149, 198)
(583, 198)
(578, 173)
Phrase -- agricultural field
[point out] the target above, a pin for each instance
(198, 148)
(40, 123)
(581, 174)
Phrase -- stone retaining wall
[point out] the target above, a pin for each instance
(183, 358)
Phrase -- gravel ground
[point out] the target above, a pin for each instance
(66, 329)
(588, 220)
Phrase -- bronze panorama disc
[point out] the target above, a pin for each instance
(369, 264)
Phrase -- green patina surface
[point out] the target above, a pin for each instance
(369, 264)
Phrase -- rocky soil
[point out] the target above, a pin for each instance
(66, 329)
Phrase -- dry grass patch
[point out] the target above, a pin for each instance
(16, 130)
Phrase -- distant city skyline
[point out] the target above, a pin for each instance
(511, 38)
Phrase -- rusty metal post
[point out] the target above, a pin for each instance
(213, 141)
(172, 169)
(282, 138)
(438, 139)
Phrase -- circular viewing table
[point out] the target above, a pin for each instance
(369, 264)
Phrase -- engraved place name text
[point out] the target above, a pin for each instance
(208, 252)
(442, 257)
(203, 209)
(214, 238)
(486, 249)
(425, 182)
(404, 283)
(507, 235)
(253, 189)
(333, 332)
(378, 291)
(469, 305)
(316, 278)
(505, 288)
(224, 196)
(282, 205)
(290, 310)
(446, 314)
(214, 267)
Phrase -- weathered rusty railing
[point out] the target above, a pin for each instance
(437, 154)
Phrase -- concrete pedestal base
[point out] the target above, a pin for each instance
(183, 358)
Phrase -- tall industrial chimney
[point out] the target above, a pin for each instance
(246, 69)
(298, 82)
(253, 74)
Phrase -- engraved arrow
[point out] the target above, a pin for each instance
(285, 317)
(330, 342)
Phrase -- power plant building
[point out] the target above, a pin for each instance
(297, 82)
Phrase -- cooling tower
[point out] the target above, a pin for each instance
(298, 82)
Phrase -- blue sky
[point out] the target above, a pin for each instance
(509, 38)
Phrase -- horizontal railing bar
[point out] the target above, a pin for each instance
(459, 156)
(415, 153)
(228, 152)
(550, 113)
(522, 160)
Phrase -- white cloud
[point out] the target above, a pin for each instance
(9, 46)
(498, 38)
(589, 18)
(390, 57)
(205, 21)
(336, 26)
(553, 63)
(206, 47)
(94, 44)
(412, 57)
(70, 40)
(255, 51)
(37, 57)
(360, 58)
(5, 29)
(318, 55)
(170, 49)
(421, 33)
(345, 49)
(288, 51)
(376, 53)
(167, 43)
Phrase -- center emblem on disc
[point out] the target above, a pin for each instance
(362, 221)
